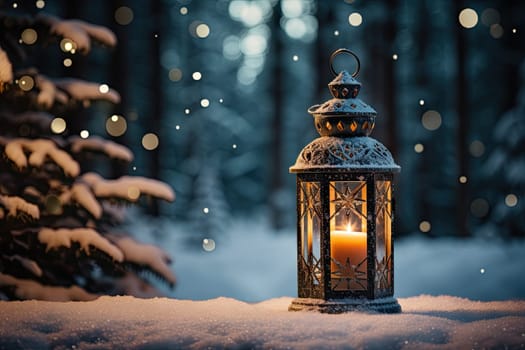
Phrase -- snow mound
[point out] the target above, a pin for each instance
(427, 322)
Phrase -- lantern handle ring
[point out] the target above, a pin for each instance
(340, 51)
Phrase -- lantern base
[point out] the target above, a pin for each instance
(337, 306)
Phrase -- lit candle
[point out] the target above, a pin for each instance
(348, 245)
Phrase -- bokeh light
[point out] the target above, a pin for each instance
(124, 15)
(67, 62)
(29, 36)
(202, 30)
(468, 18)
(479, 207)
(40, 4)
(421, 102)
(187, 111)
(476, 148)
(205, 210)
(462, 179)
(295, 58)
(196, 76)
(150, 141)
(183, 10)
(208, 244)
(419, 148)
(26, 82)
(58, 125)
(133, 193)
(84, 134)
(68, 45)
(511, 200)
(53, 205)
(425, 226)
(431, 120)
(116, 125)
(205, 103)
(394, 57)
(103, 88)
(355, 19)
(496, 31)
(175, 74)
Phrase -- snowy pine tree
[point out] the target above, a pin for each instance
(58, 238)
(504, 172)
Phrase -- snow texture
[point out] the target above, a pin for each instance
(128, 187)
(352, 153)
(98, 144)
(81, 193)
(40, 150)
(86, 237)
(426, 322)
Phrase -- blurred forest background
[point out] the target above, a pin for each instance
(215, 95)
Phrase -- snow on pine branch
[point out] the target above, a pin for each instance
(39, 151)
(28, 264)
(16, 206)
(129, 188)
(86, 237)
(6, 69)
(98, 144)
(29, 289)
(79, 32)
(82, 194)
(146, 255)
(86, 91)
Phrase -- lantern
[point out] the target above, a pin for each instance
(345, 207)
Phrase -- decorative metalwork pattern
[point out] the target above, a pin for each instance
(349, 199)
(383, 199)
(383, 273)
(349, 276)
(355, 153)
(310, 199)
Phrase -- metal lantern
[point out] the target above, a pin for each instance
(345, 207)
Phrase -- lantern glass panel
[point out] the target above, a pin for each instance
(348, 235)
(383, 281)
(310, 228)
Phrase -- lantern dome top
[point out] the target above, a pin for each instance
(348, 154)
(345, 114)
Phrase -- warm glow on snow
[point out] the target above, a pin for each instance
(150, 141)
(355, 19)
(116, 125)
(29, 36)
(58, 125)
(468, 18)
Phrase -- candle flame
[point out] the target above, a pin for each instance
(349, 228)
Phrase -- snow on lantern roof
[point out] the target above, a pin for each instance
(349, 154)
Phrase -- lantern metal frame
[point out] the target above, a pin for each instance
(343, 154)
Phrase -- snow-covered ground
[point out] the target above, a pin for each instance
(252, 263)
(129, 323)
